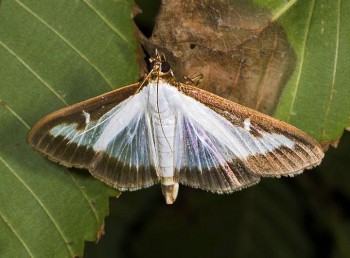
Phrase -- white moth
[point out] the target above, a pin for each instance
(163, 131)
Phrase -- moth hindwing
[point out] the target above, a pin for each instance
(162, 131)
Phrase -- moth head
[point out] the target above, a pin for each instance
(158, 64)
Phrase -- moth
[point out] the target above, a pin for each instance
(159, 130)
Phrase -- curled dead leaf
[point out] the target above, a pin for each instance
(241, 56)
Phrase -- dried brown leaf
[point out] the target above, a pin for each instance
(240, 55)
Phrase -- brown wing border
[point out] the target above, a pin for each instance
(282, 161)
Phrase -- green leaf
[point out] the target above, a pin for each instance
(316, 98)
(52, 54)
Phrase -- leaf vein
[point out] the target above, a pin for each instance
(3, 103)
(8, 224)
(332, 89)
(64, 238)
(303, 49)
(281, 11)
(105, 20)
(33, 72)
(83, 193)
(60, 36)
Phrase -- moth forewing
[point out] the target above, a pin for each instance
(65, 137)
(77, 113)
(276, 148)
(162, 131)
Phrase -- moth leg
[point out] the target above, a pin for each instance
(195, 81)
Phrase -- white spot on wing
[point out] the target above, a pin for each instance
(247, 124)
(87, 117)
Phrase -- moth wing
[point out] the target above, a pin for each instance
(204, 162)
(110, 135)
(224, 142)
